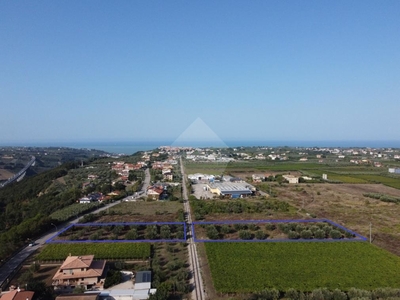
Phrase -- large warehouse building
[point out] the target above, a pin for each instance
(230, 189)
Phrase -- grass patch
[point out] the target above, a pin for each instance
(252, 267)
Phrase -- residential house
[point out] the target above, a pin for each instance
(80, 271)
(291, 178)
(168, 175)
(155, 192)
(18, 295)
(258, 177)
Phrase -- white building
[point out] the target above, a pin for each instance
(291, 178)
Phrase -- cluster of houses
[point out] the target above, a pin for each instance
(257, 178)
(166, 168)
(123, 168)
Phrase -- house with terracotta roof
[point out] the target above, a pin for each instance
(78, 271)
(155, 191)
(18, 295)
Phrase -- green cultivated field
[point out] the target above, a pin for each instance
(100, 251)
(252, 267)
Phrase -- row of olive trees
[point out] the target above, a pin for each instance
(292, 230)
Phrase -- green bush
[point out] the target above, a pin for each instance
(293, 235)
(319, 234)
(306, 234)
(245, 235)
(270, 226)
(260, 235)
(212, 232)
(336, 234)
(113, 278)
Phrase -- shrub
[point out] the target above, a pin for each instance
(165, 232)
(151, 232)
(180, 234)
(314, 229)
(336, 234)
(212, 232)
(225, 229)
(293, 235)
(94, 236)
(292, 294)
(319, 234)
(253, 227)
(113, 278)
(284, 228)
(244, 235)
(260, 235)
(239, 227)
(299, 228)
(348, 234)
(358, 293)
(270, 226)
(321, 294)
(327, 229)
(131, 234)
(338, 295)
(306, 234)
(268, 294)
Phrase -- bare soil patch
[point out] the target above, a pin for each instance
(346, 205)
(5, 174)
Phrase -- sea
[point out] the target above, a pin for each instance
(131, 147)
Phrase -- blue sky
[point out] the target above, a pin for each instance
(251, 70)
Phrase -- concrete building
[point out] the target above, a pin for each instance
(394, 170)
(291, 178)
(199, 177)
(230, 189)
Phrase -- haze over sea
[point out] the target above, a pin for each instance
(130, 147)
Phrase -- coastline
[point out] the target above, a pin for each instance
(126, 147)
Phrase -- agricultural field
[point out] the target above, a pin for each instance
(169, 263)
(56, 252)
(5, 174)
(74, 210)
(302, 266)
(139, 211)
(271, 231)
(147, 208)
(121, 232)
(346, 204)
(242, 209)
